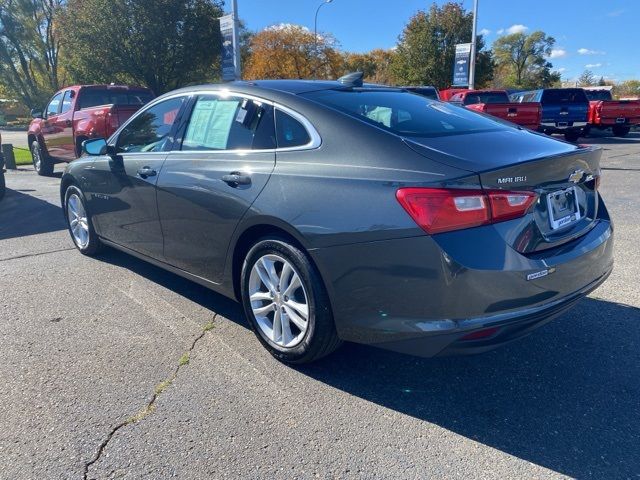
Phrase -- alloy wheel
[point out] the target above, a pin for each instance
(78, 222)
(279, 300)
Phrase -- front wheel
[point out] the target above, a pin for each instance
(286, 302)
(620, 131)
(42, 163)
(79, 222)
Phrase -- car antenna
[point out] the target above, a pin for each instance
(353, 79)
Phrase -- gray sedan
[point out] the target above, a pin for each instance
(336, 211)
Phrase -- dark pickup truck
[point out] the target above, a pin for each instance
(76, 114)
(564, 110)
(497, 104)
(605, 112)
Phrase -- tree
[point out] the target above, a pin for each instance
(290, 51)
(587, 79)
(426, 48)
(602, 82)
(628, 88)
(29, 49)
(376, 65)
(163, 44)
(521, 60)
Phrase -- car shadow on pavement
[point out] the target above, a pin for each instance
(566, 397)
(23, 214)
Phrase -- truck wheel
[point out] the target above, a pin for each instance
(572, 136)
(620, 131)
(286, 302)
(42, 163)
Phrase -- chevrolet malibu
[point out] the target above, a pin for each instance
(336, 211)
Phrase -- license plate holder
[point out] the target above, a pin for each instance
(563, 208)
(621, 120)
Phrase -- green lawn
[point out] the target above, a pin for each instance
(23, 156)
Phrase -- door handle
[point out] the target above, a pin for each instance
(145, 172)
(237, 178)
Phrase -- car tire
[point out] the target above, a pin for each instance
(82, 232)
(572, 136)
(620, 131)
(268, 278)
(42, 163)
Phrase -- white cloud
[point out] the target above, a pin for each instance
(593, 65)
(517, 28)
(558, 53)
(500, 32)
(587, 51)
(615, 13)
(561, 69)
(484, 32)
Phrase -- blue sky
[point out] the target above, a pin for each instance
(599, 35)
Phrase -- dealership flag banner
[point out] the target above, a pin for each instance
(228, 48)
(461, 65)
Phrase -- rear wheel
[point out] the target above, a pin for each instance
(42, 163)
(572, 136)
(79, 222)
(620, 131)
(286, 302)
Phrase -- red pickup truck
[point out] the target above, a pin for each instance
(605, 112)
(497, 104)
(78, 113)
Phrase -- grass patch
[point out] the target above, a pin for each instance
(162, 386)
(23, 156)
(208, 326)
(149, 409)
(184, 359)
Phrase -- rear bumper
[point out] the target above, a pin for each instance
(561, 126)
(421, 295)
(612, 122)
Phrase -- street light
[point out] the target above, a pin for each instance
(315, 31)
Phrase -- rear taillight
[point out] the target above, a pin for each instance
(438, 210)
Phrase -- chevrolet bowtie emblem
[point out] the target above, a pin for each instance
(576, 176)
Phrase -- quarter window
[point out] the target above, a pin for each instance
(229, 123)
(290, 132)
(54, 105)
(149, 131)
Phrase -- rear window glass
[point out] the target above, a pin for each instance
(598, 94)
(428, 92)
(404, 113)
(104, 96)
(486, 97)
(290, 132)
(564, 95)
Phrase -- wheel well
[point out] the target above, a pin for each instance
(67, 181)
(247, 240)
(31, 139)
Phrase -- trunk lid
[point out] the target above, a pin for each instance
(562, 175)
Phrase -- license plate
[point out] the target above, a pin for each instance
(563, 207)
(621, 120)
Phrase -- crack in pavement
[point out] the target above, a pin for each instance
(27, 255)
(150, 406)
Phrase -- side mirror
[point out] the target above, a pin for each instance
(36, 113)
(95, 147)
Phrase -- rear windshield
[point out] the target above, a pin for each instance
(107, 96)
(564, 95)
(405, 113)
(598, 94)
(486, 97)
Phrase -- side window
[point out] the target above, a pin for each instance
(54, 105)
(229, 123)
(291, 133)
(149, 130)
(66, 101)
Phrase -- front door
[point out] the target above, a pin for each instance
(123, 200)
(208, 182)
(50, 129)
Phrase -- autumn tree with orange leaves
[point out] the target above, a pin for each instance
(289, 51)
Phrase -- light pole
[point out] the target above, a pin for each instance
(472, 62)
(315, 32)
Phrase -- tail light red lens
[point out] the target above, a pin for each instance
(438, 210)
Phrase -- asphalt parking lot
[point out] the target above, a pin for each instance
(113, 368)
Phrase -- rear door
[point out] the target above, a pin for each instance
(225, 157)
(123, 188)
